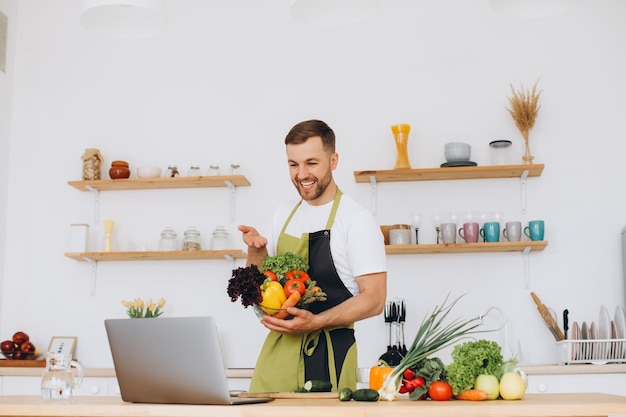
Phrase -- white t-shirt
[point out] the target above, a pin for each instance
(356, 241)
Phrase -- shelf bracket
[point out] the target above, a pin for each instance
(231, 260)
(96, 203)
(94, 274)
(523, 190)
(373, 187)
(525, 264)
(233, 200)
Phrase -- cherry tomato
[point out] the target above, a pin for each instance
(440, 391)
(297, 274)
(271, 275)
(294, 285)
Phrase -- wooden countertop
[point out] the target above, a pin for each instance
(537, 405)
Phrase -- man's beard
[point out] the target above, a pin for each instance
(318, 189)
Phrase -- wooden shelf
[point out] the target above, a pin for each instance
(466, 247)
(455, 173)
(161, 183)
(157, 255)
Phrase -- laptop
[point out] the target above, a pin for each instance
(170, 361)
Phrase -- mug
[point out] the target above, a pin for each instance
(469, 232)
(400, 237)
(535, 229)
(490, 232)
(448, 232)
(513, 231)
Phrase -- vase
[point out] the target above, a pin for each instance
(527, 158)
(401, 137)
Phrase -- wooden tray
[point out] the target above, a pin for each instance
(27, 363)
(314, 395)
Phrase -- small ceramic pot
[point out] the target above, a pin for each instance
(119, 169)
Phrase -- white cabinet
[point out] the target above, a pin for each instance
(30, 385)
(604, 383)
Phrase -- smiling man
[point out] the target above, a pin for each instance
(345, 250)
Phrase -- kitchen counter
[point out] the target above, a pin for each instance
(537, 405)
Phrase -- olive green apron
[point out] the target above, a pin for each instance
(286, 361)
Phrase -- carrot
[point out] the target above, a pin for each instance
(472, 395)
(291, 301)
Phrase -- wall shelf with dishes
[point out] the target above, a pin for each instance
(481, 247)
(96, 186)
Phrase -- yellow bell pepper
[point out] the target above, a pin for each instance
(273, 296)
(378, 374)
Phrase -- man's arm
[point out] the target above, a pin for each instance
(257, 245)
(369, 302)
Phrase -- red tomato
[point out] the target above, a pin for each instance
(294, 285)
(271, 275)
(408, 374)
(440, 391)
(297, 274)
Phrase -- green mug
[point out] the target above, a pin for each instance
(535, 230)
(490, 232)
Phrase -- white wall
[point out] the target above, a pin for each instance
(228, 79)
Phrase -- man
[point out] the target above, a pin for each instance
(345, 250)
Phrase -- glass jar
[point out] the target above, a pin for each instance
(219, 241)
(194, 171)
(92, 162)
(213, 170)
(119, 169)
(235, 168)
(501, 152)
(171, 172)
(169, 240)
(191, 241)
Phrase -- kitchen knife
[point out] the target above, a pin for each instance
(547, 317)
(565, 323)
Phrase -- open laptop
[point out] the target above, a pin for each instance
(170, 361)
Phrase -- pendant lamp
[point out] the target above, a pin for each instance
(124, 19)
(333, 12)
(531, 8)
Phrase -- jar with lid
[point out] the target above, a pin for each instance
(235, 168)
(171, 172)
(92, 161)
(194, 171)
(192, 241)
(169, 240)
(501, 152)
(119, 169)
(214, 169)
(219, 241)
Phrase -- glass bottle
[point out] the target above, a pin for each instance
(194, 171)
(169, 240)
(191, 241)
(401, 137)
(172, 171)
(219, 241)
(214, 169)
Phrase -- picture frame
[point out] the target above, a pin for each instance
(63, 344)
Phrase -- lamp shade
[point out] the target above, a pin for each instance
(333, 12)
(126, 19)
(531, 8)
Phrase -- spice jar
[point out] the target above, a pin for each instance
(213, 170)
(171, 172)
(119, 169)
(191, 241)
(194, 171)
(235, 168)
(92, 161)
(169, 240)
(219, 241)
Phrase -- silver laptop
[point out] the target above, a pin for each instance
(170, 361)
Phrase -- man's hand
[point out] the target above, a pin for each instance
(251, 237)
(302, 322)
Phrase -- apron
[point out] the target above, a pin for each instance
(286, 361)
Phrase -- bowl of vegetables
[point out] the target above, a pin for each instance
(283, 283)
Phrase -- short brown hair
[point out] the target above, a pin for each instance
(311, 128)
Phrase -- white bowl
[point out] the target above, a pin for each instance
(457, 151)
(148, 172)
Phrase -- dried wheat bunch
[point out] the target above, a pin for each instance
(524, 108)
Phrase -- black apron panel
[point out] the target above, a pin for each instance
(316, 365)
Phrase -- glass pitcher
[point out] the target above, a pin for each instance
(58, 381)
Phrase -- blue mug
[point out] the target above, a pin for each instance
(490, 232)
(535, 230)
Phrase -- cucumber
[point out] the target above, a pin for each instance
(317, 385)
(365, 394)
(345, 394)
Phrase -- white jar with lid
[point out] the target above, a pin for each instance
(501, 152)
(194, 171)
(192, 241)
(219, 241)
(169, 240)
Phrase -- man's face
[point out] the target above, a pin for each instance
(310, 168)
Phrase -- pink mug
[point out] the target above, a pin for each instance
(469, 232)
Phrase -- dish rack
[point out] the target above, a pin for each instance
(594, 351)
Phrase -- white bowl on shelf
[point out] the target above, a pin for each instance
(148, 172)
(457, 151)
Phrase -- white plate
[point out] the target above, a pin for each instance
(620, 322)
(574, 336)
(604, 324)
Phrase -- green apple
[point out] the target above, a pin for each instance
(512, 386)
(489, 384)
